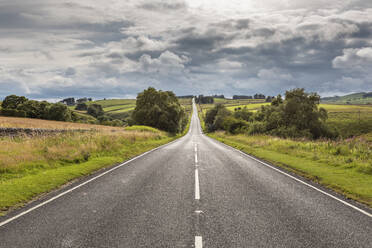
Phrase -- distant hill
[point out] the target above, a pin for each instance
(355, 98)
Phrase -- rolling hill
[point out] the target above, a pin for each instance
(355, 98)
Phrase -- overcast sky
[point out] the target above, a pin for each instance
(114, 48)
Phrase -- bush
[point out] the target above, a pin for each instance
(95, 110)
(13, 112)
(81, 106)
(159, 109)
(235, 126)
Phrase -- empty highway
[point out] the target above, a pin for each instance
(194, 192)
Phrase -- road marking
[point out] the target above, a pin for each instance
(300, 181)
(196, 148)
(196, 158)
(82, 184)
(197, 190)
(198, 242)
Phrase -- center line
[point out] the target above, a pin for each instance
(196, 158)
(197, 191)
(198, 242)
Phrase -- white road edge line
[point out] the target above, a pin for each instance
(82, 184)
(198, 242)
(197, 190)
(299, 180)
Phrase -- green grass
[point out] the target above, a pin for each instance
(355, 98)
(113, 102)
(350, 120)
(143, 129)
(344, 166)
(31, 166)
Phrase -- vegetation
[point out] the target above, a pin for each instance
(20, 106)
(355, 98)
(160, 109)
(31, 166)
(296, 116)
(343, 165)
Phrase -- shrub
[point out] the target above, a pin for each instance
(159, 109)
(95, 110)
(81, 106)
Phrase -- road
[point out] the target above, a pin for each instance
(194, 192)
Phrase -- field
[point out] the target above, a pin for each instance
(345, 165)
(16, 122)
(356, 98)
(30, 166)
(349, 120)
(121, 108)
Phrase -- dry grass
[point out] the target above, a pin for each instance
(15, 122)
(23, 153)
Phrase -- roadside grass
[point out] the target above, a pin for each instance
(31, 166)
(344, 166)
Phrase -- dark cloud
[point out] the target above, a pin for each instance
(54, 49)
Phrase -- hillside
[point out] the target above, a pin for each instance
(355, 98)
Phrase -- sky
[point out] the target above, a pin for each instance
(114, 49)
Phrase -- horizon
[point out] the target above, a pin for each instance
(54, 50)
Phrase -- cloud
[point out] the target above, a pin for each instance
(52, 49)
(356, 59)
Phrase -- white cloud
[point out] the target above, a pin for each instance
(359, 59)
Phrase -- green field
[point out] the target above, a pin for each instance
(345, 164)
(349, 120)
(355, 98)
(121, 108)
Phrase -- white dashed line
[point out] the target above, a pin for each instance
(197, 190)
(198, 242)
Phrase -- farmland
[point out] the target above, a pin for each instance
(343, 164)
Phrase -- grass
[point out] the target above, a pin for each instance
(344, 166)
(350, 120)
(355, 98)
(31, 166)
(16, 122)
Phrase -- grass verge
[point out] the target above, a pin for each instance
(344, 166)
(30, 167)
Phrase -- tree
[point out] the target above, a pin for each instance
(81, 106)
(95, 110)
(69, 101)
(215, 116)
(59, 112)
(12, 101)
(159, 109)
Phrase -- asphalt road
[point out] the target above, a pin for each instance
(194, 192)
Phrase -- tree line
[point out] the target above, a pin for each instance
(297, 115)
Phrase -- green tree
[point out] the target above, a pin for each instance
(81, 106)
(12, 101)
(95, 110)
(59, 112)
(215, 116)
(159, 109)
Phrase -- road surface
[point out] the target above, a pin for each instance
(194, 192)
